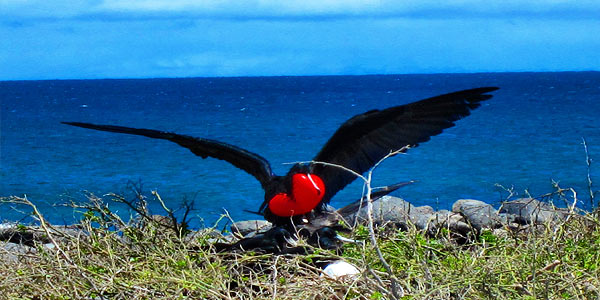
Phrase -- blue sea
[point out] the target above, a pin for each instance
(529, 135)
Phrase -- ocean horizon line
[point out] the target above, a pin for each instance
(303, 76)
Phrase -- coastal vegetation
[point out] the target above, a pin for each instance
(538, 254)
(149, 257)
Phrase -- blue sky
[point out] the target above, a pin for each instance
(64, 39)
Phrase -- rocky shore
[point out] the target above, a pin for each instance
(467, 219)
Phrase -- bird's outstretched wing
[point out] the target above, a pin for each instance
(252, 163)
(367, 138)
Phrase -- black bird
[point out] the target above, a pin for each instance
(282, 240)
(358, 145)
(275, 240)
(321, 231)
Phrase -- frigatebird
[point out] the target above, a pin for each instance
(358, 144)
(321, 231)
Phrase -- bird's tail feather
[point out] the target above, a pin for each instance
(375, 195)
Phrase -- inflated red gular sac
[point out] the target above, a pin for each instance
(358, 144)
(307, 192)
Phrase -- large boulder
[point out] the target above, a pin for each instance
(387, 210)
(532, 211)
(478, 213)
(423, 217)
(10, 252)
(453, 222)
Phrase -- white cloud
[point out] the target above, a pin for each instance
(227, 64)
(265, 9)
(45, 9)
(342, 6)
(219, 63)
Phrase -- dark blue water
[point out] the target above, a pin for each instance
(529, 134)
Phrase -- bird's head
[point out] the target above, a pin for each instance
(326, 238)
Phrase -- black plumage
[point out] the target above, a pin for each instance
(358, 144)
(321, 231)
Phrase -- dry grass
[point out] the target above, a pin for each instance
(112, 259)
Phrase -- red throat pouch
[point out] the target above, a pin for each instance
(307, 192)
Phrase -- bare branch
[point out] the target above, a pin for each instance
(330, 165)
(367, 189)
(588, 162)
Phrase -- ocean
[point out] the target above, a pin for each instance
(527, 136)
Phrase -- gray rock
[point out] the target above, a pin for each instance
(477, 213)
(10, 252)
(387, 210)
(452, 221)
(229, 238)
(425, 209)
(512, 222)
(22, 235)
(31, 235)
(49, 246)
(501, 233)
(193, 236)
(423, 218)
(532, 211)
(393, 210)
(507, 218)
(243, 228)
(7, 225)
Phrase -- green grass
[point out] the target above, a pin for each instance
(145, 260)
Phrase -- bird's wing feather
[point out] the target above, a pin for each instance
(252, 163)
(366, 138)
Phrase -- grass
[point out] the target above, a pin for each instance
(148, 260)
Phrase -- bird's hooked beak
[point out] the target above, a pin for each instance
(347, 240)
(291, 241)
